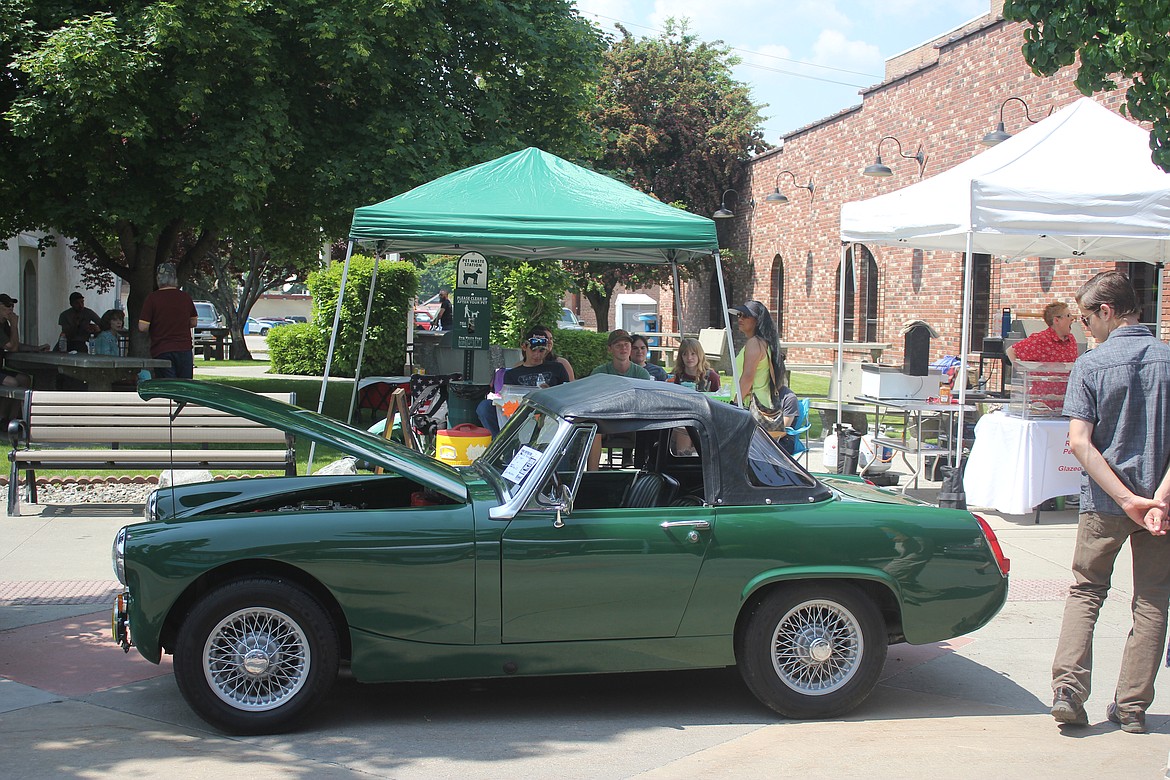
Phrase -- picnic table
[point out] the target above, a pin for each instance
(99, 372)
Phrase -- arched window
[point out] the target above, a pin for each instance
(868, 288)
(777, 302)
(850, 301)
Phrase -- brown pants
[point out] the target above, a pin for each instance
(1099, 540)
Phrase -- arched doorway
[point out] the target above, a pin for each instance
(715, 303)
(28, 297)
(777, 302)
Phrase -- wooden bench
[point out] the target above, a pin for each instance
(80, 430)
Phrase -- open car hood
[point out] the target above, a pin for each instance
(316, 427)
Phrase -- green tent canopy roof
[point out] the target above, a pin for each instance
(533, 204)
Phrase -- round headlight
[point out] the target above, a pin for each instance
(118, 554)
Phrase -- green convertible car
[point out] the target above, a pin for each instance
(712, 548)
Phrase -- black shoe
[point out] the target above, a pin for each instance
(1130, 722)
(1067, 709)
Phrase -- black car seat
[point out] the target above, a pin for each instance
(650, 489)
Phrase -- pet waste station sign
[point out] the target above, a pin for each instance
(472, 303)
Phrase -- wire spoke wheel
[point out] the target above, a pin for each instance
(255, 655)
(817, 647)
(812, 649)
(256, 659)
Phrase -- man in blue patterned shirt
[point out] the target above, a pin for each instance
(1118, 405)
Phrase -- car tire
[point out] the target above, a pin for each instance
(264, 331)
(812, 650)
(255, 655)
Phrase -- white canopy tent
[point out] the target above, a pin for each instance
(1077, 184)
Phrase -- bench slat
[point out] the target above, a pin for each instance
(43, 434)
(76, 418)
(158, 458)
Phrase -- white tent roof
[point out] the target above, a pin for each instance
(1077, 184)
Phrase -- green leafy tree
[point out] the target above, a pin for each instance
(129, 125)
(1128, 39)
(675, 124)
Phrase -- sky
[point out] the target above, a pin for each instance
(806, 59)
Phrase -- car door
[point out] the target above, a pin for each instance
(600, 573)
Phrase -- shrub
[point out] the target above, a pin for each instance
(385, 349)
(584, 349)
(297, 349)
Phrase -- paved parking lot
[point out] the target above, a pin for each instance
(74, 705)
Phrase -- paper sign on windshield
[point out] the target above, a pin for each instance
(521, 463)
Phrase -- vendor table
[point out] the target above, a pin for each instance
(99, 372)
(914, 434)
(1017, 464)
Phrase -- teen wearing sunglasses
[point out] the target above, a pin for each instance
(535, 371)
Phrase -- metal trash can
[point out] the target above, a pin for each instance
(462, 398)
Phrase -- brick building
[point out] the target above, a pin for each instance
(943, 96)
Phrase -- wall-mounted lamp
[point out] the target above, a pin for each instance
(999, 135)
(724, 212)
(778, 197)
(881, 171)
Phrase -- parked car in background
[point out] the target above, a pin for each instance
(569, 320)
(718, 550)
(209, 318)
(423, 320)
(262, 325)
(296, 318)
(430, 306)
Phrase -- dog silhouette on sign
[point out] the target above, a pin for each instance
(472, 277)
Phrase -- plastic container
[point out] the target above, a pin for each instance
(461, 445)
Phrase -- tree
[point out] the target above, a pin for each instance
(1128, 40)
(674, 124)
(236, 274)
(132, 124)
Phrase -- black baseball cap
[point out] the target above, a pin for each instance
(7, 299)
(749, 309)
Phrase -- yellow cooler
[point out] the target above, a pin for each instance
(461, 445)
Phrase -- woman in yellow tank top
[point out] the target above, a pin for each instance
(759, 360)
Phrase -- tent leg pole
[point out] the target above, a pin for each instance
(735, 391)
(1158, 329)
(332, 344)
(357, 374)
(840, 343)
(965, 339)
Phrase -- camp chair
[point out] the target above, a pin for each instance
(799, 429)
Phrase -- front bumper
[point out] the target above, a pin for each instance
(120, 621)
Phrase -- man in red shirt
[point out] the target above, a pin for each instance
(168, 315)
(1054, 344)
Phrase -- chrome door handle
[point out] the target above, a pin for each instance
(698, 525)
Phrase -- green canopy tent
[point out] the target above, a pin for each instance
(531, 204)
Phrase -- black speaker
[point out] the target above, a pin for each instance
(917, 351)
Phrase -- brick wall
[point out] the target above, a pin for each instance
(946, 106)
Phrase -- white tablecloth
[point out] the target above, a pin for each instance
(1016, 464)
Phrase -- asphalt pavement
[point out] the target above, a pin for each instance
(72, 704)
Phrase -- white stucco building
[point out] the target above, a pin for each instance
(41, 281)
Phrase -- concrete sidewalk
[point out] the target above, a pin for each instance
(74, 705)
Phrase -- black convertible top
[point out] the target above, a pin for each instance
(621, 405)
(609, 397)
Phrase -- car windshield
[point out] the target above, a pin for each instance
(514, 454)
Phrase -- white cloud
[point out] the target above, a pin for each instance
(833, 48)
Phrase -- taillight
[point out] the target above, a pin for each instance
(1001, 560)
